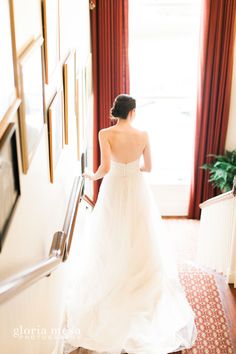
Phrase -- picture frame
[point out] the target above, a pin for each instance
(84, 112)
(50, 10)
(87, 92)
(81, 110)
(84, 165)
(79, 113)
(88, 75)
(32, 108)
(55, 131)
(84, 160)
(69, 79)
(9, 96)
(9, 179)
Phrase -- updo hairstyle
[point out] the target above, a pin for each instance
(122, 105)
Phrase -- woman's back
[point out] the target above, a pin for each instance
(122, 142)
(127, 143)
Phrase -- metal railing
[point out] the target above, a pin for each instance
(59, 250)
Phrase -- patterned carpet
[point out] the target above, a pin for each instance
(201, 290)
(202, 293)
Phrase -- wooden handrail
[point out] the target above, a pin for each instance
(59, 250)
(70, 219)
(88, 200)
(217, 199)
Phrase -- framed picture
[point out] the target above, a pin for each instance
(81, 114)
(83, 162)
(69, 92)
(78, 113)
(51, 36)
(88, 76)
(87, 91)
(9, 98)
(88, 102)
(55, 132)
(77, 60)
(84, 104)
(32, 110)
(9, 179)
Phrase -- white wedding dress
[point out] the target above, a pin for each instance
(125, 295)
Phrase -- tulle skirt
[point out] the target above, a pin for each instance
(125, 294)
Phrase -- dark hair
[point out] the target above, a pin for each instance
(122, 105)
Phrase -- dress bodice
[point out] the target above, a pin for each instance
(125, 169)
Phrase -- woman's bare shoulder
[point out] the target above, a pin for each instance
(141, 132)
(104, 131)
(113, 129)
(107, 131)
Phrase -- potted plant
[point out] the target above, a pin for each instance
(222, 170)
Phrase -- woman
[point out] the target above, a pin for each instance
(126, 295)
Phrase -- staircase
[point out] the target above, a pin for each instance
(217, 234)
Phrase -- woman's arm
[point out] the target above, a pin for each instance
(147, 156)
(105, 152)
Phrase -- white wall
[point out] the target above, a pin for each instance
(42, 205)
(217, 238)
(172, 199)
(231, 131)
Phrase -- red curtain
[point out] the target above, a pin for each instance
(109, 36)
(213, 101)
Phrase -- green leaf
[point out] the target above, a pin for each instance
(222, 170)
(206, 166)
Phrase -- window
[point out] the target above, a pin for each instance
(163, 54)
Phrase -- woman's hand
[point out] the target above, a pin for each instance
(88, 175)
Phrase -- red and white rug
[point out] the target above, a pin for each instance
(202, 293)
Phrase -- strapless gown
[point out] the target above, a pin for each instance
(125, 294)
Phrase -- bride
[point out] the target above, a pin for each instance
(125, 295)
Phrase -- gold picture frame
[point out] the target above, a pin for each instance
(32, 108)
(88, 75)
(84, 114)
(80, 111)
(9, 95)
(77, 113)
(9, 179)
(55, 131)
(87, 98)
(69, 79)
(51, 37)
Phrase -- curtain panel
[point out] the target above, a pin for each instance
(213, 100)
(109, 40)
